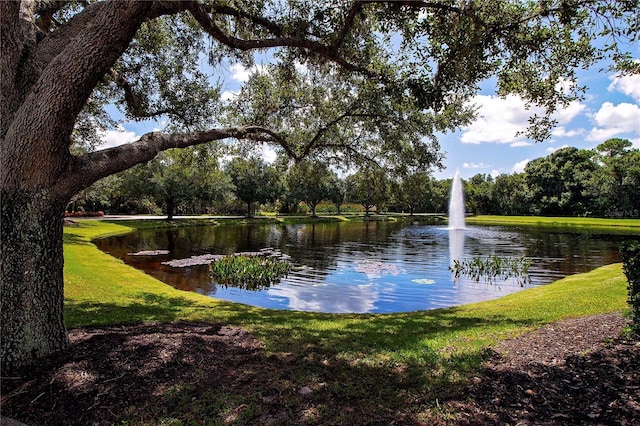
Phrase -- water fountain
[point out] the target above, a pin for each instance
(456, 204)
(456, 220)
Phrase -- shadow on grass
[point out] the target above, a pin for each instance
(418, 334)
(74, 239)
(203, 373)
(311, 368)
(198, 373)
(145, 307)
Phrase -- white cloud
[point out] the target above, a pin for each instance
(228, 95)
(500, 119)
(112, 138)
(495, 173)
(519, 144)
(519, 166)
(612, 120)
(268, 154)
(475, 166)
(627, 84)
(561, 132)
(507, 115)
(241, 73)
(566, 115)
(552, 149)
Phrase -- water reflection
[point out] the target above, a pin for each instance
(456, 245)
(364, 267)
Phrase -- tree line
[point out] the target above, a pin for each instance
(604, 181)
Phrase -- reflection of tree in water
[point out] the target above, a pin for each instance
(319, 245)
(575, 251)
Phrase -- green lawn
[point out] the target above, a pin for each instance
(393, 363)
(630, 226)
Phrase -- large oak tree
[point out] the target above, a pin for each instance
(411, 65)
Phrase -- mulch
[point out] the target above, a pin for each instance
(577, 371)
(113, 371)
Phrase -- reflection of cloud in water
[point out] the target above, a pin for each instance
(375, 269)
(352, 297)
(424, 281)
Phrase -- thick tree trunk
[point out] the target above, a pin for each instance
(171, 206)
(31, 278)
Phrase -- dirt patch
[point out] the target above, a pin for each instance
(116, 372)
(570, 372)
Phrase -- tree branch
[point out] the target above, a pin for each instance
(132, 100)
(349, 20)
(18, 38)
(55, 42)
(353, 154)
(314, 141)
(208, 25)
(93, 166)
(414, 4)
(230, 11)
(45, 9)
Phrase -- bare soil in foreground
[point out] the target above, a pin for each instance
(575, 371)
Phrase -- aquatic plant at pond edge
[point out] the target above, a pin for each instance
(493, 268)
(249, 272)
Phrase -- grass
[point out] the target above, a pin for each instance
(427, 353)
(627, 226)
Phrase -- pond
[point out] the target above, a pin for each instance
(372, 267)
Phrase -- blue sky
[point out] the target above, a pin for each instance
(490, 145)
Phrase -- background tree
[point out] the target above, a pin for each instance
(557, 182)
(177, 177)
(254, 181)
(368, 187)
(415, 193)
(309, 181)
(509, 195)
(63, 62)
(336, 191)
(615, 185)
(599, 182)
(478, 193)
(101, 196)
(137, 192)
